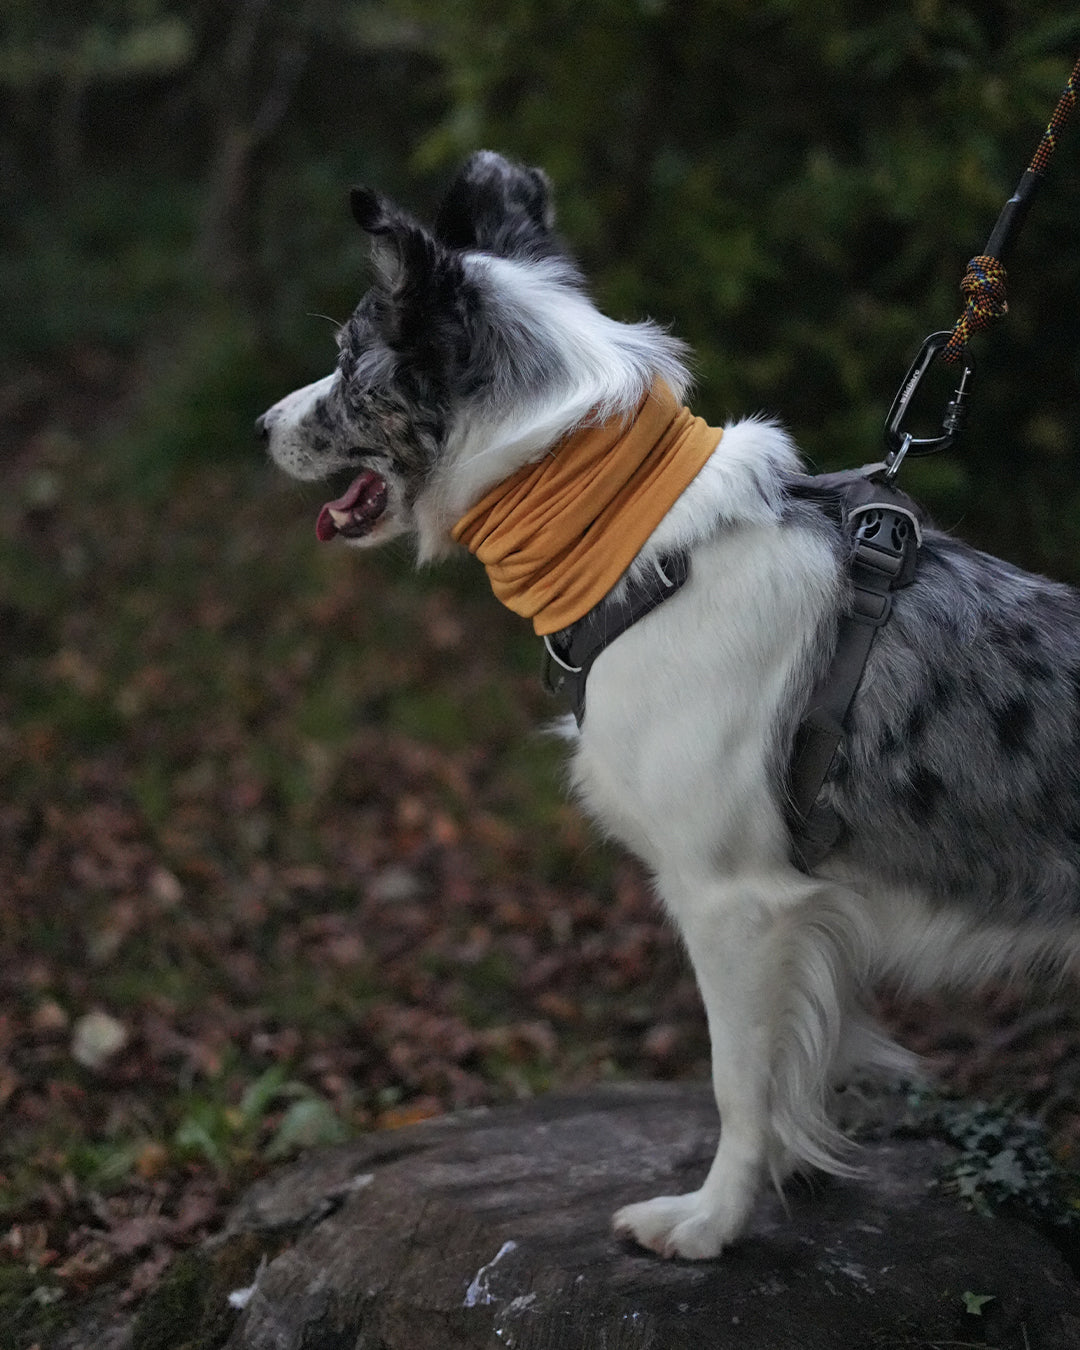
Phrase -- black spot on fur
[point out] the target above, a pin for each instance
(916, 724)
(924, 792)
(942, 691)
(975, 686)
(1013, 723)
(890, 742)
(1035, 667)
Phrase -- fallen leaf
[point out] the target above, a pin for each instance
(151, 1160)
(145, 1275)
(88, 1265)
(397, 1117)
(97, 1037)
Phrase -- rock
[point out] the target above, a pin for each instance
(491, 1229)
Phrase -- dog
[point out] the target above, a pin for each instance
(474, 360)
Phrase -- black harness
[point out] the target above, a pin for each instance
(882, 526)
(569, 655)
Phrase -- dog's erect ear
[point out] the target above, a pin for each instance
(423, 277)
(499, 207)
(371, 210)
(402, 250)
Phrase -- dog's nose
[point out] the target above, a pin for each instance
(262, 428)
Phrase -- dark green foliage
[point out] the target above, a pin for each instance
(30, 1305)
(796, 188)
(1005, 1160)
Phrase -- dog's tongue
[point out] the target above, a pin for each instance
(356, 510)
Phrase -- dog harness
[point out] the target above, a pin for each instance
(881, 525)
(557, 535)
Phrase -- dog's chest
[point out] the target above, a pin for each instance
(677, 748)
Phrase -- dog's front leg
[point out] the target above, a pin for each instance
(740, 942)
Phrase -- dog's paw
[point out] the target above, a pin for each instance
(675, 1225)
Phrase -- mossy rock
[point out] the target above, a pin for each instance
(190, 1309)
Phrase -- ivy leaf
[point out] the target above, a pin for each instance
(306, 1123)
(261, 1093)
(974, 1303)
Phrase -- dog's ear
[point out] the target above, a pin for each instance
(499, 207)
(404, 253)
(371, 210)
(420, 276)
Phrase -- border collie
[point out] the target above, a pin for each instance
(477, 358)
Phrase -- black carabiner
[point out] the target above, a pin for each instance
(898, 442)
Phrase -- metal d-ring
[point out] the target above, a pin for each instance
(572, 670)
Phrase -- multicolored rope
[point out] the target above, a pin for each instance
(984, 285)
(1048, 144)
(984, 280)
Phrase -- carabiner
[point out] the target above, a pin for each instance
(899, 442)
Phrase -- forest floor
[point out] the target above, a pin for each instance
(284, 857)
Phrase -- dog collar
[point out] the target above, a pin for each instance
(557, 535)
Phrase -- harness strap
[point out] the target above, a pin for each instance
(883, 523)
(569, 655)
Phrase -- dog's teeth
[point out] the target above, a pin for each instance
(340, 518)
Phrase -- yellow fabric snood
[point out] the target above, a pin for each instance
(557, 535)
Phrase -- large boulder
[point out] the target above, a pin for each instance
(491, 1229)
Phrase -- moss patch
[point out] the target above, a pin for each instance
(190, 1309)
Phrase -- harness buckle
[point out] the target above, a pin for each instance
(887, 540)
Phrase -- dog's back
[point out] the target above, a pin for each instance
(960, 774)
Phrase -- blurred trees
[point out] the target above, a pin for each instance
(795, 186)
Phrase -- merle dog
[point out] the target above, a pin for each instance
(476, 359)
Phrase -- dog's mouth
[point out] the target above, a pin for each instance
(356, 511)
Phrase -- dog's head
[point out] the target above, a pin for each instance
(438, 354)
(474, 350)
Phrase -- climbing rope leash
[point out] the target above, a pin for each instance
(983, 286)
(984, 281)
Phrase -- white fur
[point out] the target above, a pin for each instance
(287, 418)
(678, 771)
